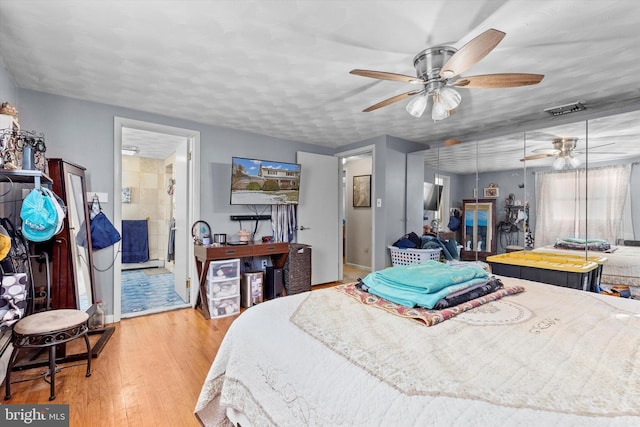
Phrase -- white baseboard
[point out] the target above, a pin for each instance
(152, 263)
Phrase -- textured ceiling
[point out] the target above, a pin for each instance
(281, 68)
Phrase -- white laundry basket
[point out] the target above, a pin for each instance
(406, 256)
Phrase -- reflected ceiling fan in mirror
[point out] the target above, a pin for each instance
(564, 149)
(437, 69)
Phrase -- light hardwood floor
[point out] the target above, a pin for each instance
(149, 373)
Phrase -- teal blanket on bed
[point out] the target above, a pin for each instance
(422, 284)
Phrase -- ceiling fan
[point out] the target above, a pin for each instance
(563, 149)
(436, 71)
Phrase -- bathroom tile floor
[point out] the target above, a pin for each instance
(143, 292)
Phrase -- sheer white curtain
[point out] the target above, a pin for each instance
(580, 203)
(606, 196)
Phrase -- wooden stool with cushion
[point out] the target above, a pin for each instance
(47, 329)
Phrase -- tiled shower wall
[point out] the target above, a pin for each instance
(147, 180)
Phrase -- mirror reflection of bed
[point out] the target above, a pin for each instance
(581, 189)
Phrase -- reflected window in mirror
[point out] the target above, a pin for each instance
(478, 228)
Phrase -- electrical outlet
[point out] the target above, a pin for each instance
(264, 264)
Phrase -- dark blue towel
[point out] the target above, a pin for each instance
(135, 241)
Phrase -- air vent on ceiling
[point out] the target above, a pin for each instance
(565, 109)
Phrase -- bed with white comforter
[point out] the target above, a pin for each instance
(547, 356)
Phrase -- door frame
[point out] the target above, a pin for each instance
(369, 150)
(193, 206)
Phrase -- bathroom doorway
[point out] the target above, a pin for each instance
(158, 198)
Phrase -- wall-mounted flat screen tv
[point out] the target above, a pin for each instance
(264, 182)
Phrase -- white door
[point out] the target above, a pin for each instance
(318, 215)
(181, 200)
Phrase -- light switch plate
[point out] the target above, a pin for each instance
(379, 203)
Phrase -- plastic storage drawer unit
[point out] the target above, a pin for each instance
(223, 287)
(566, 272)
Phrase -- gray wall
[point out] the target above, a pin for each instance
(8, 89)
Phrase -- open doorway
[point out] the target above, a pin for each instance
(159, 200)
(358, 210)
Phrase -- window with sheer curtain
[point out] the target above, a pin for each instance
(580, 204)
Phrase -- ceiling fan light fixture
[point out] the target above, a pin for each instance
(438, 111)
(417, 105)
(450, 98)
(574, 162)
(559, 163)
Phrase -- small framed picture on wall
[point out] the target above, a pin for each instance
(491, 192)
(362, 191)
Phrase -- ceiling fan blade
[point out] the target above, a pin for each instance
(536, 157)
(547, 151)
(600, 146)
(471, 53)
(606, 153)
(582, 150)
(387, 76)
(492, 81)
(392, 100)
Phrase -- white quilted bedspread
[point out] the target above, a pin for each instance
(548, 356)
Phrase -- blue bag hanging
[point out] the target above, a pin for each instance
(103, 233)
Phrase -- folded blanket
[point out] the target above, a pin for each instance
(412, 299)
(427, 277)
(573, 245)
(426, 316)
(583, 241)
(474, 292)
(422, 284)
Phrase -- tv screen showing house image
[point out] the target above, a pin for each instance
(264, 182)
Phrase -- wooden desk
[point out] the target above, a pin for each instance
(204, 254)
